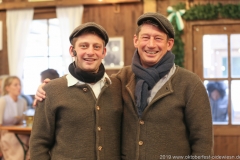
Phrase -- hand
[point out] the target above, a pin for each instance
(40, 95)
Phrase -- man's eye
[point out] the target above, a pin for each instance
(83, 46)
(145, 38)
(97, 47)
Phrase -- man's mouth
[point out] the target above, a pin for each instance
(151, 52)
(89, 59)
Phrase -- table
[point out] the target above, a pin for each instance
(18, 129)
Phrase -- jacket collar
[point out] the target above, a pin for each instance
(71, 81)
(164, 91)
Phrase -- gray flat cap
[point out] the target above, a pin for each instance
(77, 31)
(160, 19)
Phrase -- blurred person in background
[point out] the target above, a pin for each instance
(2, 79)
(49, 73)
(28, 98)
(12, 106)
(218, 100)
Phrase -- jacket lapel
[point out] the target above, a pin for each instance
(130, 87)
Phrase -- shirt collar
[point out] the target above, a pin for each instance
(71, 81)
(170, 73)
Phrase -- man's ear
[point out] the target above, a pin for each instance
(71, 48)
(170, 44)
(135, 41)
(104, 52)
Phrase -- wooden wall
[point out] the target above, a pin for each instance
(3, 52)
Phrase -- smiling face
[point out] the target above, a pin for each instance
(90, 51)
(13, 86)
(152, 44)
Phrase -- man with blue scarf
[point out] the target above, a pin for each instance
(166, 108)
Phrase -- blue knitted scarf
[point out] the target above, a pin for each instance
(146, 78)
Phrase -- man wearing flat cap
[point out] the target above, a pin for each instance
(81, 115)
(166, 108)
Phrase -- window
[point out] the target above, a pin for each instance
(218, 78)
(215, 54)
(43, 52)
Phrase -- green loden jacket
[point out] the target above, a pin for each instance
(71, 124)
(177, 122)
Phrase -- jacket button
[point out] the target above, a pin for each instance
(98, 108)
(140, 143)
(99, 128)
(85, 89)
(99, 148)
(141, 122)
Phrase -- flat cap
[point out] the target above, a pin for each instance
(77, 31)
(159, 19)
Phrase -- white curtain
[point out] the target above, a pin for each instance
(69, 18)
(18, 26)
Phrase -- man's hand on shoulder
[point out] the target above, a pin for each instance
(40, 95)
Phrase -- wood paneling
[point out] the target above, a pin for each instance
(149, 6)
(228, 130)
(3, 53)
(18, 4)
(44, 13)
(163, 4)
(117, 24)
(226, 146)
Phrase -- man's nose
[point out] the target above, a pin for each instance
(151, 42)
(90, 50)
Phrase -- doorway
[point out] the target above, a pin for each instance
(216, 60)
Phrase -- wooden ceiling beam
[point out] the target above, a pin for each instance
(51, 3)
(149, 6)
